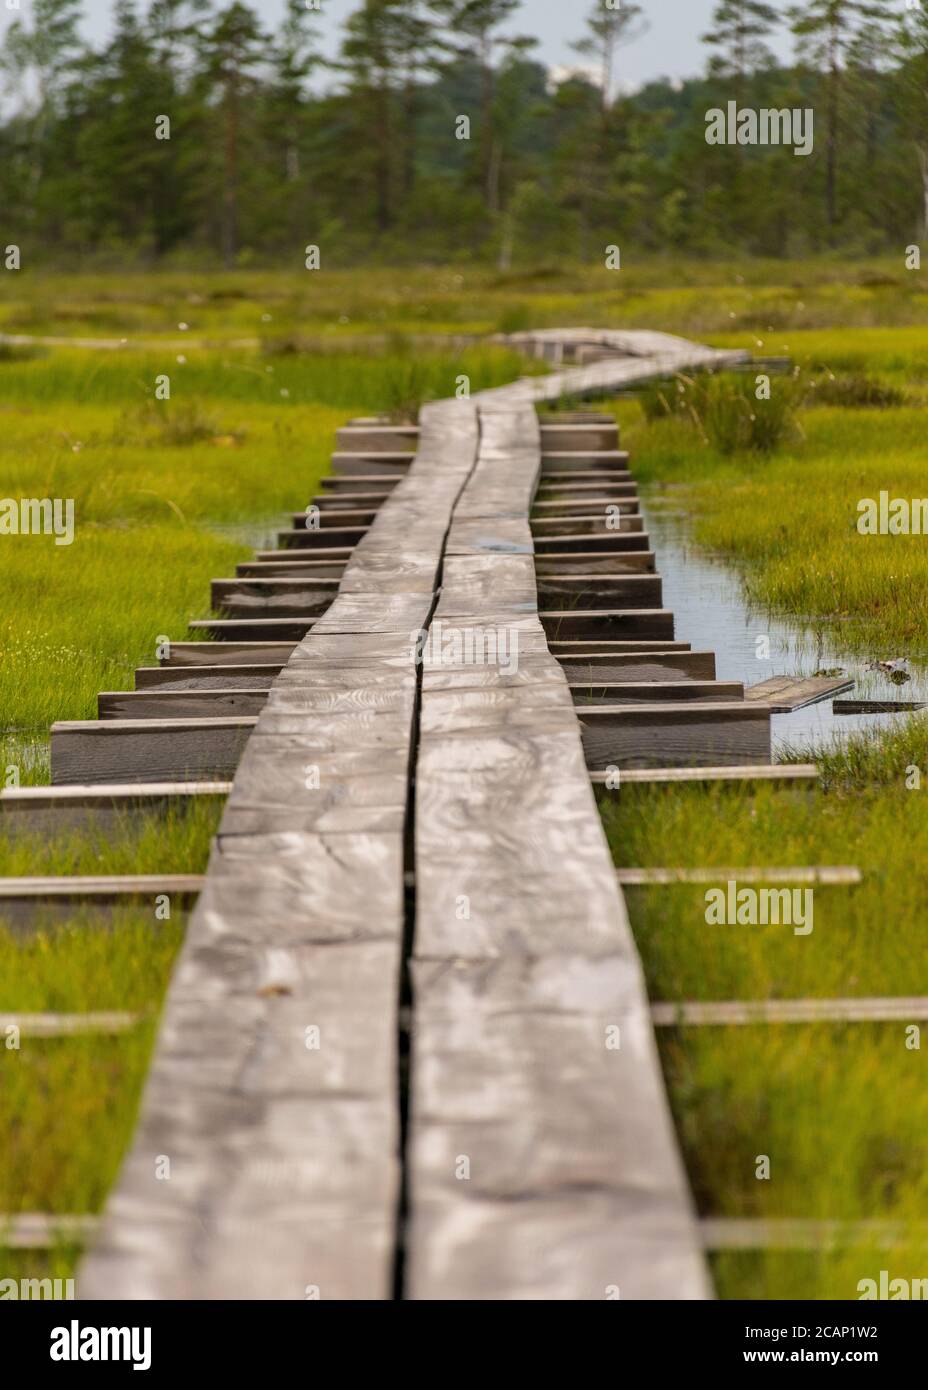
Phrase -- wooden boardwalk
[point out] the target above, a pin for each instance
(407, 1051)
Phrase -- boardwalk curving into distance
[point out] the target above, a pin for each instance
(407, 1049)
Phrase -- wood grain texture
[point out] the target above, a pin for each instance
(784, 693)
(147, 750)
(523, 956)
(286, 1158)
(664, 735)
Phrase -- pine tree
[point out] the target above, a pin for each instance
(233, 47)
(827, 29)
(739, 32)
(473, 25)
(609, 30)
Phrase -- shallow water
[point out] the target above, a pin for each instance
(713, 614)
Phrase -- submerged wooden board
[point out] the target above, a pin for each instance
(785, 693)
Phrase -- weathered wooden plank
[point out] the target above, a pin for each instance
(609, 591)
(392, 463)
(579, 438)
(630, 561)
(360, 482)
(37, 1230)
(791, 1233)
(600, 624)
(147, 750)
(697, 1013)
(363, 438)
(300, 927)
(785, 693)
(801, 873)
(54, 810)
(512, 990)
(275, 596)
(800, 774)
(224, 653)
(597, 667)
(242, 630)
(323, 569)
(159, 703)
(626, 537)
(23, 900)
(878, 706)
(593, 557)
(332, 518)
(592, 647)
(337, 537)
(66, 1026)
(664, 735)
(256, 675)
(647, 691)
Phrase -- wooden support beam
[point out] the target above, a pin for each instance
(393, 463)
(727, 1012)
(53, 810)
(380, 437)
(556, 462)
(242, 676)
(329, 537)
(785, 693)
(595, 668)
(147, 750)
(371, 499)
(595, 524)
(579, 439)
(158, 703)
(602, 623)
(360, 482)
(276, 596)
(579, 479)
(240, 630)
(630, 561)
(287, 564)
(39, 1230)
(67, 1026)
(225, 653)
(24, 900)
(335, 519)
(790, 774)
(814, 874)
(674, 734)
(595, 591)
(791, 1233)
(594, 647)
(545, 508)
(630, 535)
(650, 691)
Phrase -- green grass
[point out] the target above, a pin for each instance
(807, 560)
(171, 494)
(841, 1110)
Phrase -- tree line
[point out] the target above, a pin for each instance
(434, 133)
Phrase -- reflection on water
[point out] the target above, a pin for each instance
(712, 614)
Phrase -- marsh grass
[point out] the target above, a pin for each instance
(842, 1110)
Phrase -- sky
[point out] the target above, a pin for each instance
(670, 48)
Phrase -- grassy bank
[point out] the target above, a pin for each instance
(839, 1110)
